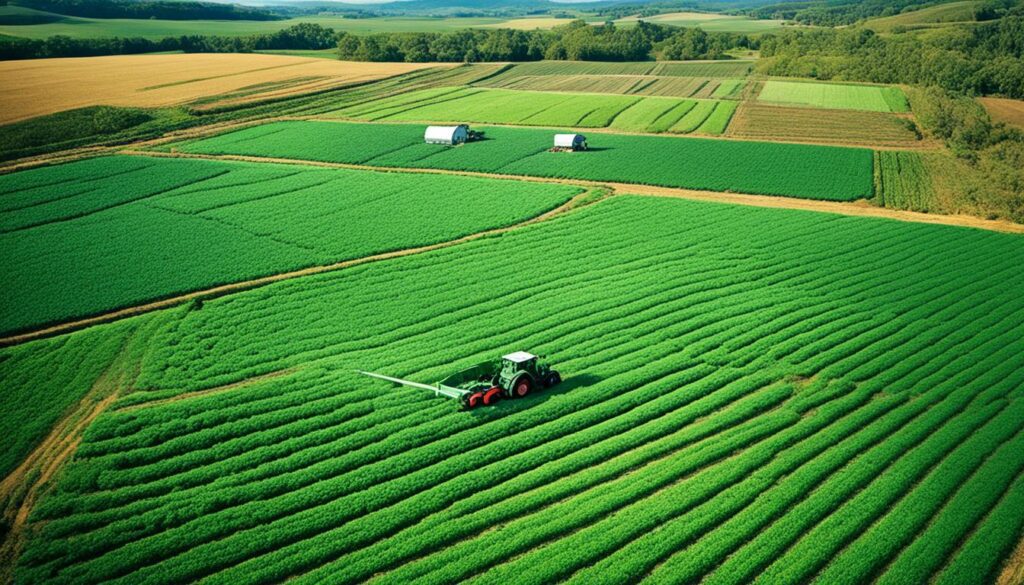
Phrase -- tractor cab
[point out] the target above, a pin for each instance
(519, 361)
(522, 372)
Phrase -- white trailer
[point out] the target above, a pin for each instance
(448, 135)
(565, 142)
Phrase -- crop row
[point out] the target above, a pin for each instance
(904, 181)
(94, 462)
(815, 172)
(659, 539)
(722, 365)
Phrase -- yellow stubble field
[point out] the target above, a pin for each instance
(43, 86)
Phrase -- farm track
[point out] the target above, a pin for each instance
(23, 487)
(257, 282)
(1013, 572)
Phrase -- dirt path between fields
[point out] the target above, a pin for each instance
(859, 209)
(1013, 572)
(585, 198)
(22, 488)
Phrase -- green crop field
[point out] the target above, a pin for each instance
(493, 106)
(749, 394)
(816, 172)
(835, 96)
(903, 181)
(242, 221)
(939, 15)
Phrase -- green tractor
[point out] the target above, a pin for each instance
(513, 376)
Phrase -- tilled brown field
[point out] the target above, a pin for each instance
(761, 122)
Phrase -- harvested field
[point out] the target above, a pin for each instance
(1005, 110)
(542, 22)
(35, 87)
(764, 122)
(711, 22)
(835, 96)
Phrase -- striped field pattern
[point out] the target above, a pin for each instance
(750, 394)
(632, 113)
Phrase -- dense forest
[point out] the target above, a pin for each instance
(576, 41)
(845, 12)
(981, 59)
(159, 9)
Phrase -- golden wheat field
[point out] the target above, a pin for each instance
(44, 86)
(1005, 110)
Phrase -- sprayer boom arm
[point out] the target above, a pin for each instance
(450, 392)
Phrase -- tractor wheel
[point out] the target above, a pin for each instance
(521, 387)
(552, 379)
(491, 396)
(475, 399)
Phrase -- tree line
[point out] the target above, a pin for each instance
(303, 36)
(830, 13)
(159, 9)
(575, 41)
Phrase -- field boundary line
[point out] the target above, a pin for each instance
(579, 200)
(774, 201)
(206, 391)
(1013, 569)
(22, 488)
(837, 207)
